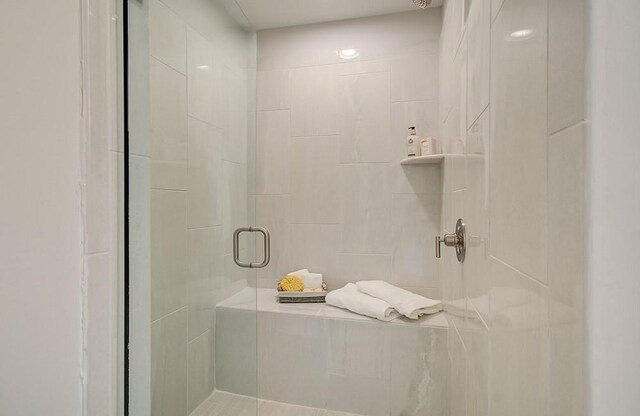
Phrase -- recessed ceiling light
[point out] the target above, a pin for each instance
(348, 53)
(521, 34)
(203, 67)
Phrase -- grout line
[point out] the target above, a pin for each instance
(570, 127)
(529, 277)
(169, 314)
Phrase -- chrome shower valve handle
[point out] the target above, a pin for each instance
(457, 240)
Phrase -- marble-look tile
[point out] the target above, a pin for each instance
(354, 267)
(234, 116)
(168, 127)
(273, 153)
(414, 78)
(314, 247)
(496, 7)
(168, 252)
(458, 375)
(416, 221)
(476, 268)
(423, 115)
(235, 350)
(479, 58)
(566, 271)
(201, 373)
(567, 46)
(314, 180)
(292, 359)
(234, 201)
(169, 364)
(204, 82)
(272, 212)
(365, 119)
(366, 208)
(274, 90)
(519, 343)
(358, 367)
(204, 205)
(478, 364)
(167, 36)
(205, 276)
(419, 371)
(313, 101)
(519, 138)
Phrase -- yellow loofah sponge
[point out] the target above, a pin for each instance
(291, 283)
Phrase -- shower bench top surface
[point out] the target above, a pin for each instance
(264, 300)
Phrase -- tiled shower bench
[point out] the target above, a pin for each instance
(320, 356)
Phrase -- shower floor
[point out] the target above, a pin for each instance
(227, 404)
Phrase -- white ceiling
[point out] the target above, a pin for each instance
(269, 14)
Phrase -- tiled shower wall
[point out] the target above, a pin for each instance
(199, 100)
(331, 134)
(512, 98)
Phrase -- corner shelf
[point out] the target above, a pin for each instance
(423, 160)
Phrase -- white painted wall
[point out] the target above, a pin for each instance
(613, 199)
(40, 212)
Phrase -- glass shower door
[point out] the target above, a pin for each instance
(191, 314)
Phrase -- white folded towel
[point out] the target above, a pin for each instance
(349, 297)
(407, 303)
(311, 280)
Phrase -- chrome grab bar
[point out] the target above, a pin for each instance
(267, 247)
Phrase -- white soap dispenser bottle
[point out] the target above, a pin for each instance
(412, 142)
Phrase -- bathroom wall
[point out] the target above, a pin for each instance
(613, 201)
(40, 213)
(200, 69)
(512, 102)
(331, 133)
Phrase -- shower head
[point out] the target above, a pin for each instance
(422, 3)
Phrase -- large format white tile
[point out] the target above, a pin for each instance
(519, 343)
(168, 127)
(416, 221)
(168, 252)
(366, 208)
(314, 180)
(476, 268)
(292, 359)
(203, 80)
(201, 372)
(314, 247)
(355, 267)
(519, 133)
(414, 77)
(167, 36)
(566, 271)
(236, 351)
(204, 204)
(314, 101)
(272, 212)
(365, 119)
(274, 90)
(567, 46)
(234, 116)
(234, 201)
(205, 277)
(169, 365)
(479, 58)
(273, 152)
(419, 371)
(358, 366)
(478, 365)
(458, 376)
